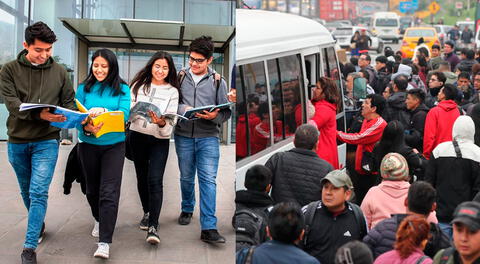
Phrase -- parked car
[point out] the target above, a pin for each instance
(331, 26)
(413, 34)
(387, 26)
(442, 31)
(344, 34)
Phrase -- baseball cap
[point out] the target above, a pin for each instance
(468, 213)
(339, 178)
(381, 59)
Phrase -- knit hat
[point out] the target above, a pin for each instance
(394, 167)
(354, 252)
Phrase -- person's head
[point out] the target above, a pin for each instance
(448, 92)
(39, 39)
(424, 52)
(475, 69)
(387, 92)
(437, 80)
(381, 62)
(364, 73)
(466, 230)
(420, 41)
(476, 81)
(306, 137)
(285, 223)
(420, 61)
(444, 66)
(258, 178)
(415, 97)
(412, 234)
(435, 50)
(389, 66)
(448, 47)
(357, 33)
(350, 79)
(364, 60)
(354, 61)
(470, 54)
(463, 79)
(263, 112)
(364, 32)
(388, 52)
(373, 106)
(201, 51)
(421, 198)
(160, 69)
(347, 69)
(394, 167)
(104, 69)
(354, 252)
(400, 83)
(325, 89)
(336, 190)
(463, 53)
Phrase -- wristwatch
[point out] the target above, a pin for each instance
(86, 133)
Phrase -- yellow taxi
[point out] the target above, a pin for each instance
(413, 34)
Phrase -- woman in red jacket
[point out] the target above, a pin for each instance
(325, 98)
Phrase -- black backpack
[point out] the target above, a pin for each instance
(249, 227)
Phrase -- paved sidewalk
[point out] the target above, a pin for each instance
(69, 221)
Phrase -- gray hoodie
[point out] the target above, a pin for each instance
(202, 94)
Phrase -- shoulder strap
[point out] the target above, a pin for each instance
(181, 77)
(357, 212)
(249, 257)
(446, 254)
(309, 215)
(421, 259)
(457, 149)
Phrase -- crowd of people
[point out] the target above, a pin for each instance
(410, 190)
(97, 162)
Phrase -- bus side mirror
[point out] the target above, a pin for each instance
(360, 88)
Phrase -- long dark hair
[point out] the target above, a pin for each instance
(329, 90)
(144, 76)
(393, 139)
(113, 78)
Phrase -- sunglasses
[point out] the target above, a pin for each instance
(192, 59)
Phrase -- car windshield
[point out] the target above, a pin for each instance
(343, 32)
(463, 25)
(421, 33)
(386, 22)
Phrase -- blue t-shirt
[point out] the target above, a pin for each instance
(120, 102)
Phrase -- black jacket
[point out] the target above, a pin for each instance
(328, 233)
(73, 172)
(416, 164)
(296, 176)
(382, 79)
(382, 237)
(466, 65)
(456, 179)
(396, 109)
(414, 136)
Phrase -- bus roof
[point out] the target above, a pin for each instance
(261, 33)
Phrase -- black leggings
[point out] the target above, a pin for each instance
(150, 157)
(102, 167)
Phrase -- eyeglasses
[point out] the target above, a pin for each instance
(433, 80)
(192, 59)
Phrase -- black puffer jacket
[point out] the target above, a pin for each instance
(416, 164)
(382, 237)
(414, 137)
(396, 109)
(296, 176)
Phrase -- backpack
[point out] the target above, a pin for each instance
(217, 81)
(310, 214)
(446, 255)
(249, 227)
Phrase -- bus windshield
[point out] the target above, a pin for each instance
(386, 22)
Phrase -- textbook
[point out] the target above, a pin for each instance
(142, 109)
(190, 114)
(74, 118)
(113, 121)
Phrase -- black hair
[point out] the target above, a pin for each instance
(401, 82)
(354, 61)
(393, 139)
(263, 109)
(407, 61)
(421, 196)
(367, 57)
(144, 76)
(366, 75)
(285, 222)
(435, 46)
(423, 51)
(306, 136)
(450, 43)
(418, 93)
(348, 68)
(470, 54)
(422, 61)
(464, 74)
(398, 58)
(440, 76)
(377, 101)
(39, 31)
(450, 91)
(463, 51)
(476, 120)
(113, 79)
(389, 52)
(257, 178)
(389, 66)
(421, 40)
(202, 45)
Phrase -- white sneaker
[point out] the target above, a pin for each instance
(96, 230)
(103, 251)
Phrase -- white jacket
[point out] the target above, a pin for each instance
(164, 97)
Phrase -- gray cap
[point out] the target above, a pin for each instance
(339, 178)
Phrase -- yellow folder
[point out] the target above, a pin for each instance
(113, 121)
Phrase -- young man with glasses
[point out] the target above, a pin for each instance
(197, 141)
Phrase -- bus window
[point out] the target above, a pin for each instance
(257, 114)
(334, 73)
(240, 120)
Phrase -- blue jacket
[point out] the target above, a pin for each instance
(275, 252)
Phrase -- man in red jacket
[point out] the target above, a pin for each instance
(370, 133)
(440, 119)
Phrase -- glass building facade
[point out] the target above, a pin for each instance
(16, 15)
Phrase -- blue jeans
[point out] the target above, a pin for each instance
(34, 164)
(446, 229)
(199, 155)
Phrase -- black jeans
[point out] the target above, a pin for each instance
(102, 167)
(150, 157)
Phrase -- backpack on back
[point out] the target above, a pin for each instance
(249, 227)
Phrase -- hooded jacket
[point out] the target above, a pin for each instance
(386, 199)
(414, 136)
(455, 179)
(202, 94)
(403, 70)
(393, 257)
(326, 122)
(23, 82)
(438, 125)
(396, 108)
